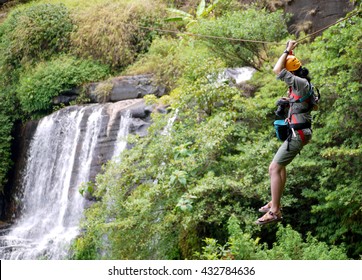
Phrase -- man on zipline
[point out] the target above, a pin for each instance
(289, 69)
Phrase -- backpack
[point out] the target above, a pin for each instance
(315, 97)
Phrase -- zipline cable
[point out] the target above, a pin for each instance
(209, 36)
(243, 40)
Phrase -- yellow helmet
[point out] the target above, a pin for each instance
(292, 63)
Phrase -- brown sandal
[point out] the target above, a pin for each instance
(266, 208)
(269, 217)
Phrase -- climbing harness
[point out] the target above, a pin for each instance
(312, 98)
(285, 129)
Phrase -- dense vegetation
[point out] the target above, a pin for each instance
(193, 193)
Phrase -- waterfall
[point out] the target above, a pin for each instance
(170, 122)
(61, 156)
(121, 142)
(237, 75)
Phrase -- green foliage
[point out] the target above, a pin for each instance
(170, 59)
(337, 142)
(289, 245)
(8, 114)
(116, 32)
(342, 58)
(86, 189)
(5, 144)
(207, 93)
(163, 60)
(5, 152)
(39, 85)
(250, 24)
(202, 11)
(87, 247)
(36, 32)
(169, 205)
(103, 90)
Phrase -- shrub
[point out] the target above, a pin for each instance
(5, 143)
(110, 32)
(8, 114)
(251, 24)
(38, 86)
(289, 245)
(162, 60)
(35, 32)
(169, 59)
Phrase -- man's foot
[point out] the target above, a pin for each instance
(266, 208)
(269, 217)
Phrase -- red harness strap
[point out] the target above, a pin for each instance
(295, 96)
(300, 132)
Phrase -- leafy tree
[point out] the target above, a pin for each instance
(39, 85)
(289, 245)
(337, 151)
(36, 32)
(5, 142)
(116, 32)
(202, 11)
(242, 28)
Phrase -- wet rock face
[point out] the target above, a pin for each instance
(114, 90)
(123, 88)
(8, 199)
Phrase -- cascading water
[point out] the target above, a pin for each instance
(59, 159)
(237, 75)
(122, 133)
(170, 122)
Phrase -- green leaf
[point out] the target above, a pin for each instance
(200, 9)
(210, 8)
(180, 12)
(182, 181)
(174, 19)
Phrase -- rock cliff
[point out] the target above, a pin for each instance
(311, 15)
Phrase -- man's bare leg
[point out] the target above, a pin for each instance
(278, 175)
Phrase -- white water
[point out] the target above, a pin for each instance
(59, 160)
(121, 142)
(167, 130)
(237, 75)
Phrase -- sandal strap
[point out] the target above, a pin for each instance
(270, 216)
(277, 215)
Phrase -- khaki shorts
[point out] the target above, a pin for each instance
(284, 157)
